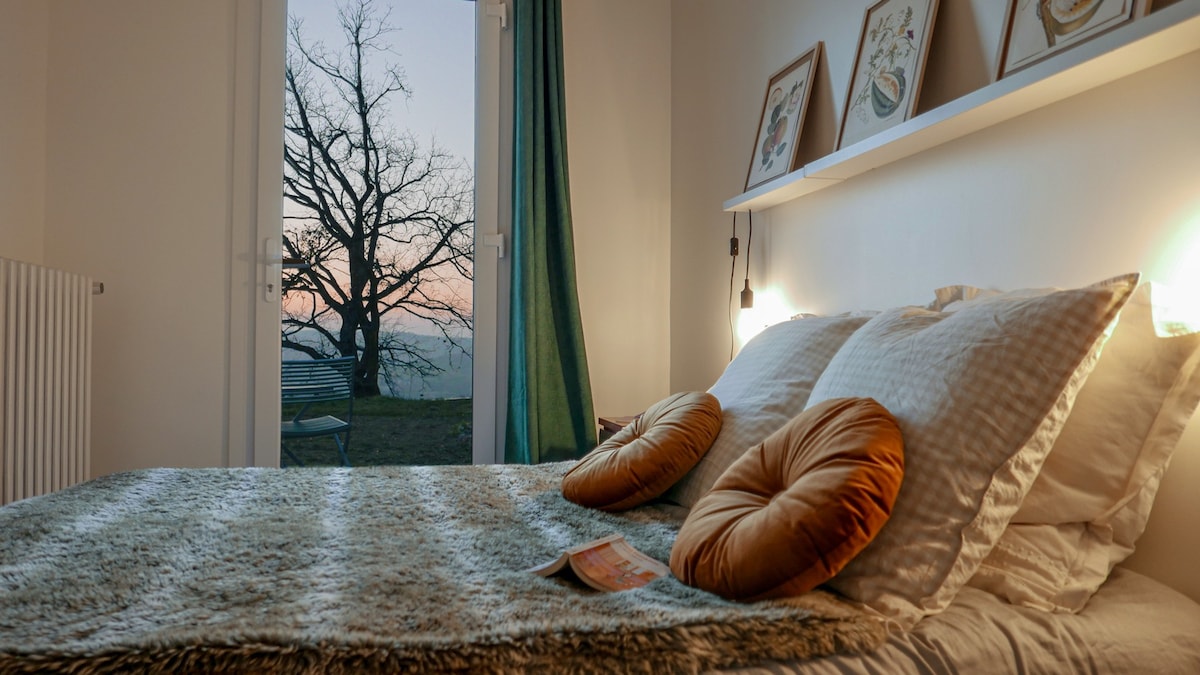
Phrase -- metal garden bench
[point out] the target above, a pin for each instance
(305, 382)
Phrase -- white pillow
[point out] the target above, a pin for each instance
(980, 395)
(765, 386)
(1093, 496)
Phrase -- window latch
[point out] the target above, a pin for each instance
(499, 10)
(497, 241)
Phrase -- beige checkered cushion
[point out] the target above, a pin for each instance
(764, 387)
(1092, 499)
(980, 395)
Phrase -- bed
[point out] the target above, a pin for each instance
(991, 557)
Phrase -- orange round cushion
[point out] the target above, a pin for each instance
(792, 511)
(639, 462)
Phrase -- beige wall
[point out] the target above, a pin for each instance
(142, 130)
(722, 55)
(23, 26)
(618, 80)
(1099, 184)
(138, 157)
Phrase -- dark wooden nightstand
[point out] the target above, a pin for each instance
(611, 425)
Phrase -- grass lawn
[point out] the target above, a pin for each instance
(395, 431)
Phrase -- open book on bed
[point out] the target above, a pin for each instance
(606, 564)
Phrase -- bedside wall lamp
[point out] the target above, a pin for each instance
(771, 306)
(1176, 275)
(746, 298)
(747, 294)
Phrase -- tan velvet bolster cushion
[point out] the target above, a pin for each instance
(639, 462)
(793, 510)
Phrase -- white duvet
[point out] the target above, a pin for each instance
(1132, 625)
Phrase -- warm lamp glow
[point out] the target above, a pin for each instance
(1176, 292)
(1176, 311)
(769, 308)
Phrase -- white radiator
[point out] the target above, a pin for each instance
(45, 379)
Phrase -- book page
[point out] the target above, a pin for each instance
(614, 565)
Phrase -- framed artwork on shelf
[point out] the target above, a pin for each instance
(782, 118)
(888, 67)
(1037, 29)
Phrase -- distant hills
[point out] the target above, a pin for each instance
(453, 382)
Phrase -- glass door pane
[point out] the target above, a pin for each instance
(379, 221)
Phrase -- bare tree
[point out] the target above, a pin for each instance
(385, 226)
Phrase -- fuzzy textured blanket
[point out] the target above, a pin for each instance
(389, 569)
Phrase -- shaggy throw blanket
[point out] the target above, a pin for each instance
(389, 569)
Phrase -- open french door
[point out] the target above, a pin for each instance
(261, 29)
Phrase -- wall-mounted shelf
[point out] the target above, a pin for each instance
(1148, 41)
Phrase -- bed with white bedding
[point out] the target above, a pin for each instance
(1133, 624)
(1035, 425)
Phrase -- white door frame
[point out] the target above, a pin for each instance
(267, 347)
(493, 227)
(256, 210)
(256, 186)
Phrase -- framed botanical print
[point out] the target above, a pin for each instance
(888, 67)
(1037, 29)
(782, 118)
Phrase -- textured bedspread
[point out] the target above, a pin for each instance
(362, 570)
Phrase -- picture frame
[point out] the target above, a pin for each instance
(1037, 29)
(782, 120)
(889, 65)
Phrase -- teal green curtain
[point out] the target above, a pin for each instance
(550, 413)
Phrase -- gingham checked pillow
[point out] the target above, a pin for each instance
(764, 387)
(1092, 498)
(980, 395)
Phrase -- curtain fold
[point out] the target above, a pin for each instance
(550, 415)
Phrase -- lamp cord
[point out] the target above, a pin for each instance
(733, 252)
(749, 241)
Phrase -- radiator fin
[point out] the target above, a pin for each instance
(45, 384)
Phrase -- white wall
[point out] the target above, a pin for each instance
(23, 26)
(722, 55)
(150, 163)
(617, 68)
(139, 101)
(1099, 184)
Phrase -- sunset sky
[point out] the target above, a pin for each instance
(434, 42)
